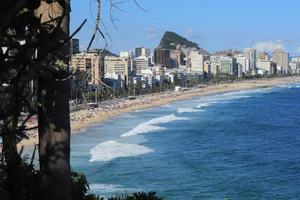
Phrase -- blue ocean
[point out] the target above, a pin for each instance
(236, 145)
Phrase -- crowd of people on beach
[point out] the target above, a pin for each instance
(84, 115)
(79, 118)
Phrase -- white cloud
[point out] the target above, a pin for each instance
(268, 46)
(188, 33)
(298, 50)
(152, 34)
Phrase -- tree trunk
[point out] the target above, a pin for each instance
(12, 158)
(53, 111)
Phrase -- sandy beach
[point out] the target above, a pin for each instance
(111, 108)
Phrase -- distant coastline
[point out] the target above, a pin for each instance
(83, 119)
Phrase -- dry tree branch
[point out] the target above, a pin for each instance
(139, 6)
(62, 43)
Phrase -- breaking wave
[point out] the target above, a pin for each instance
(203, 105)
(152, 125)
(110, 150)
(187, 110)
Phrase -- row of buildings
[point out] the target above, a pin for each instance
(179, 66)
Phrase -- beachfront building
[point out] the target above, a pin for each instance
(244, 63)
(265, 66)
(228, 65)
(142, 63)
(215, 64)
(117, 65)
(251, 55)
(87, 67)
(281, 58)
(196, 62)
(263, 56)
(129, 55)
(295, 65)
(296, 59)
(215, 68)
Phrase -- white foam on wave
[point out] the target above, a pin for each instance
(294, 87)
(187, 110)
(110, 150)
(152, 125)
(203, 105)
(227, 97)
(98, 188)
(290, 85)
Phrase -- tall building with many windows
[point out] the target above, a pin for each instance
(142, 63)
(263, 56)
(196, 61)
(228, 65)
(87, 65)
(162, 57)
(281, 58)
(251, 55)
(117, 65)
(74, 46)
(244, 64)
(142, 51)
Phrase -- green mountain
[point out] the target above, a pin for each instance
(170, 40)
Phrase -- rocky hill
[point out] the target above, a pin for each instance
(171, 40)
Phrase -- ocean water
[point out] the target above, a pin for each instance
(238, 145)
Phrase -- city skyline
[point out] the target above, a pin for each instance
(270, 26)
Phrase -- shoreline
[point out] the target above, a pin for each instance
(83, 119)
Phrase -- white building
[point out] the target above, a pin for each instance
(265, 66)
(141, 63)
(128, 55)
(244, 62)
(88, 62)
(117, 65)
(251, 55)
(215, 64)
(196, 61)
(296, 59)
(215, 68)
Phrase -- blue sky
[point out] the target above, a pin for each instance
(213, 24)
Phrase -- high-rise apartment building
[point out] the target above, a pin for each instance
(87, 63)
(196, 61)
(228, 65)
(117, 65)
(244, 63)
(281, 58)
(142, 63)
(142, 51)
(74, 46)
(176, 58)
(129, 56)
(251, 55)
(263, 56)
(162, 57)
(265, 66)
